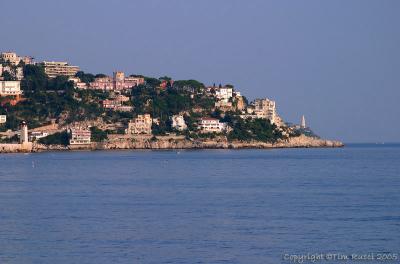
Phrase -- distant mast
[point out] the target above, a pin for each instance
(303, 122)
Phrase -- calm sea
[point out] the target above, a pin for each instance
(207, 206)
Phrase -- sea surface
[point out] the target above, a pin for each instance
(203, 206)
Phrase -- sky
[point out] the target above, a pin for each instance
(337, 62)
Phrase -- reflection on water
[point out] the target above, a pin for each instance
(211, 206)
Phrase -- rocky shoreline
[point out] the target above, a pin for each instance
(165, 143)
(178, 143)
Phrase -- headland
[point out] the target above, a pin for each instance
(55, 106)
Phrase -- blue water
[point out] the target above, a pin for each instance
(209, 206)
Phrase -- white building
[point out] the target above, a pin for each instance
(209, 125)
(80, 136)
(10, 88)
(224, 93)
(178, 122)
(3, 119)
(35, 135)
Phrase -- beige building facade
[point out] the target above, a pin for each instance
(8, 88)
(14, 59)
(55, 68)
(3, 119)
(265, 108)
(140, 125)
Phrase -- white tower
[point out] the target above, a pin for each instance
(24, 133)
(303, 122)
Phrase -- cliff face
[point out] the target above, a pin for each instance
(308, 142)
(181, 143)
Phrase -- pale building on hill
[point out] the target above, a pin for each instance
(111, 104)
(117, 82)
(57, 68)
(116, 103)
(102, 83)
(80, 136)
(12, 88)
(124, 108)
(178, 122)
(209, 125)
(10, 57)
(265, 108)
(122, 83)
(223, 93)
(3, 119)
(140, 125)
(14, 59)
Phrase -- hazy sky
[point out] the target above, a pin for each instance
(337, 62)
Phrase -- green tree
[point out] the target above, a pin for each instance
(59, 138)
(85, 77)
(7, 76)
(97, 135)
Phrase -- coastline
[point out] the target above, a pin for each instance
(165, 143)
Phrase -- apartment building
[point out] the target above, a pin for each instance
(56, 68)
(10, 88)
(140, 125)
(79, 136)
(209, 125)
(265, 108)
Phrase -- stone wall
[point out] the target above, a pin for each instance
(13, 148)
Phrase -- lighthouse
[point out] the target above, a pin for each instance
(303, 122)
(24, 133)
